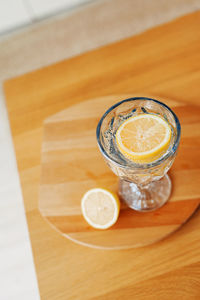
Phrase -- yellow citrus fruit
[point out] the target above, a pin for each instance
(100, 208)
(143, 138)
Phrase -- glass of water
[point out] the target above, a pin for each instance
(143, 186)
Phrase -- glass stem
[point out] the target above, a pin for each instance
(145, 197)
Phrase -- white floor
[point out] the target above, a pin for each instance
(17, 273)
(17, 13)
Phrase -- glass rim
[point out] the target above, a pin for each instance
(133, 164)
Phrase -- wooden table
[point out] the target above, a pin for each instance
(164, 62)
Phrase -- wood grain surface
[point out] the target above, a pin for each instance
(164, 62)
(71, 163)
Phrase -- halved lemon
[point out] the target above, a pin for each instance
(100, 208)
(143, 138)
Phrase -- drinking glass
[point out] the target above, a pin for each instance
(143, 186)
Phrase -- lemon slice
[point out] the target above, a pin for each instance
(100, 208)
(143, 138)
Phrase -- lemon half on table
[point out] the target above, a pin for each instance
(100, 208)
(143, 138)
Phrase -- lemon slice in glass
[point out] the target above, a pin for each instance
(143, 138)
(100, 208)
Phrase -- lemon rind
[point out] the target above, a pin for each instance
(115, 200)
(146, 154)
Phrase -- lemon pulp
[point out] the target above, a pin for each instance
(143, 138)
(100, 208)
